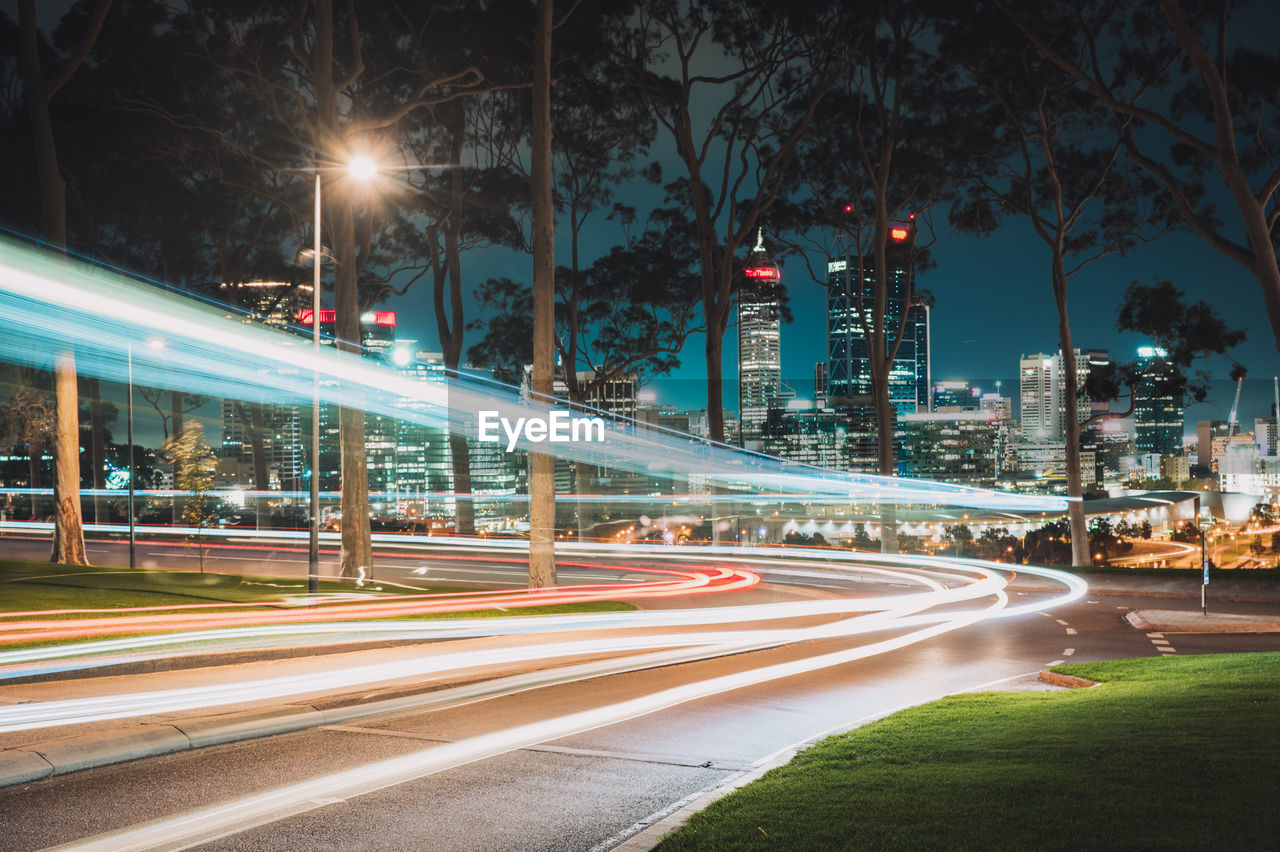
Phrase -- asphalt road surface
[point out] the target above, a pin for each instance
(586, 791)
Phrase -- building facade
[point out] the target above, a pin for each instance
(759, 342)
(1157, 408)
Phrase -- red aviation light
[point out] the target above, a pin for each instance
(326, 315)
(899, 234)
(384, 318)
(761, 272)
(848, 208)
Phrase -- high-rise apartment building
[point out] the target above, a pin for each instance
(1043, 382)
(759, 336)
(1157, 410)
(850, 297)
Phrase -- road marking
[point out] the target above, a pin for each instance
(1054, 663)
(1155, 635)
(1159, 641)
(1071, 631)
(1068, 652)
(1045, 614)
(1060, 621)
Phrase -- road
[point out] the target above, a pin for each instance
(586, 790)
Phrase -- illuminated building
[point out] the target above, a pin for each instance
(1043, 388)
(1157, 410)
(959, 446)
(759, 332)
(850, 295)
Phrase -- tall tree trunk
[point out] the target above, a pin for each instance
(1080, 556)
(542, 471)
(68, 535)
(885, 464)
(451, 326)
(97, 452)
(464, 505)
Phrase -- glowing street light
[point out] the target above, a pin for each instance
(360, 168)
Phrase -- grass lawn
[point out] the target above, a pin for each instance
(1167, 753)
(27, 586)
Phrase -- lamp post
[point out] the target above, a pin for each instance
(154, 343)
(361, 168)
(133, 548)
(313, 547)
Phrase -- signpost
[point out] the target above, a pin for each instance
(1206, 521)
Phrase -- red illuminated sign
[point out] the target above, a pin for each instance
(385, 318)
(899, 234)
(761, 272)
(326, 315)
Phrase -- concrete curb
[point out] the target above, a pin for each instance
(1136, 621)
(1068, 681)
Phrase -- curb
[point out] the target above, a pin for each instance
(1136, 621)
(1068, 681)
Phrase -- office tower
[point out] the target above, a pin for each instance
(850, 297)
(1043, 392)
(759, 332)
(961, 446)
(1157, 410)
(820, 394)
(951, 396)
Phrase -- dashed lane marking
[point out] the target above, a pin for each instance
(1071, 631)
(1068, 652)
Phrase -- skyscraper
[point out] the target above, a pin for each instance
(759, 333)
(1043, 384)
(850, 297)
(1157, 411)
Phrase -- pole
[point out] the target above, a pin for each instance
(1204, 585)
(313, 549)
(133, 547)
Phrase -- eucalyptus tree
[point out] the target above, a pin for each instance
(1200, 107)
(44, 74)
(874, 162)
(734, 87)
(346, 77)
(1057, 165)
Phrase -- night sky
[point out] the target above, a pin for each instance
(993, 296)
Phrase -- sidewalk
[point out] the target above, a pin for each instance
(1191, 621)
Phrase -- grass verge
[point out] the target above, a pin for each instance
(30, 586)
(1166, 753)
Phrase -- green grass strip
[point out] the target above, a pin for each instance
(1166, 753)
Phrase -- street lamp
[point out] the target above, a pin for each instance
(360, 168)
(154, 343)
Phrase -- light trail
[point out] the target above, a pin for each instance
(868, 614)
(48, 305)
(233, 817)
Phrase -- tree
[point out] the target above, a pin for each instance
(959, 535)
(1184, 333)
(542, 470)
(29, 419)
(874, 161)
(766, 58)
(196, 465)
(1056, 169)
(1105, 541)
(1193, 107)
(39, 89)
(997, 545)
(342, 88)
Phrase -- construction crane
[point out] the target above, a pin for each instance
(1233, 423)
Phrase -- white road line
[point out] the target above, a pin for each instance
(1071, 631)
(1060, 621)
(1155, 635)
(1054, 663)
(1068, 652)
(1159, 641)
